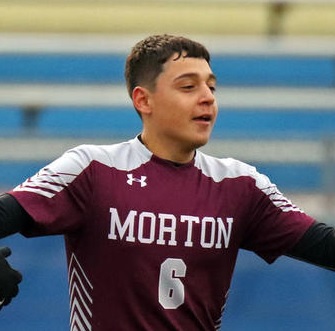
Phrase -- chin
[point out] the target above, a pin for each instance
(200, 142)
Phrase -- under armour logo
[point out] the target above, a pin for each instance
(132, 179)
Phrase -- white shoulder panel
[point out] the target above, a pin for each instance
(218, 169)
(62, 172)
(123, 156)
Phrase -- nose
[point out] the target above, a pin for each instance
(207, 95)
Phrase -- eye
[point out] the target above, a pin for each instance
(212, 88)
(187, 87)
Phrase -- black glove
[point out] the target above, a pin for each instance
(9, 279)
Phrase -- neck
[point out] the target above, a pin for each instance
(170, 151)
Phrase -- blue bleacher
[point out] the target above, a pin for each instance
(288, 70)
(50, 68)
(237, 70)
(123, 121)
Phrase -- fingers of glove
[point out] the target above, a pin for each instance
(18, 276)
(14, 292)
(5, 251)
(14, 276)
(6, 299)
(6, 271)
(10, 278)
(5, 302)
(2, 303)
(10, 291)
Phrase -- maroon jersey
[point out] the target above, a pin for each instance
(152, 245)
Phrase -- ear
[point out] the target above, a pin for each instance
(141, 100)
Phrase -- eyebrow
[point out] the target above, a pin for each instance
(211, 76)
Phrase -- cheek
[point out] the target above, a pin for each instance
(172, 110)
(173, 107)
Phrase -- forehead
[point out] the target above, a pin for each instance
(182, 66)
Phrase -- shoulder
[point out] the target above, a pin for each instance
(221, 168)
(124, 155)
(229, 168)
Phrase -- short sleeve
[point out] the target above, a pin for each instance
(274, 224)
(57, 196)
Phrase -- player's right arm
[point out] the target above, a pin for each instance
(13, 219)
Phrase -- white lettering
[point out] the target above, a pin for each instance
(222, 230)
(190, 220)
(211, 224)
(152, 218)
(127, 225)
(163, 228)
(208, 232)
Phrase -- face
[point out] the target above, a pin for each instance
(182, 109)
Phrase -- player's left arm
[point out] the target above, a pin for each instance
(317, 246)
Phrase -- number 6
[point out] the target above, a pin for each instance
(171, 292)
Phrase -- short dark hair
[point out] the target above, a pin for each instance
(146, 60)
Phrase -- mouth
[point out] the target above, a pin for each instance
(203, 118)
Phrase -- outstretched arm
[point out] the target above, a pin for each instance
(317, 246)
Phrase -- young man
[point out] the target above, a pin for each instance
(152, 225)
